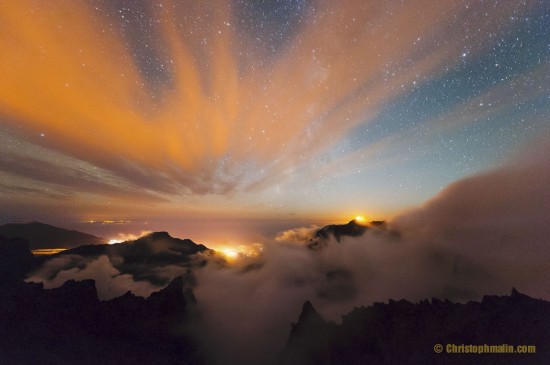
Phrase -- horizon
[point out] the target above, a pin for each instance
(226, 239)
(248, 127)
(190, 115)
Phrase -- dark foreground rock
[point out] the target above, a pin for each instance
(16, 259)
(401, 332)
(70, 325)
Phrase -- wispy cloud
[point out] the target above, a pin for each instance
(184, 117)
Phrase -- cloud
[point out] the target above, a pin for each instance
(123, 237)
(210, 123)
(142, 266)
(492, 225)
(70, 177)
(110, 283)
(300, 235)
(481, 235)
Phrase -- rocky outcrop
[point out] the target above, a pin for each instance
(351, 229)
(144, 259)
(70, 325)
(400, 332)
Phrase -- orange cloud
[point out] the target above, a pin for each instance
(67, 73)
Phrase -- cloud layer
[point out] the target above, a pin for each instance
(481, 235)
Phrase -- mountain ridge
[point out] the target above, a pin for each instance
(401, 332)
(42, 236)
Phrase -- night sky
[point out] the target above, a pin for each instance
(246, 115)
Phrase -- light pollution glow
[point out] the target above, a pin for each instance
(218, 125)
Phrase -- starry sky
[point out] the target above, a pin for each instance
(215, 117)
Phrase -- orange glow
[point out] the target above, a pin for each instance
(56, 79)
(59, 76)
(239, 252)
(123, 237)
(69, 76)
(230, 254)
(47, 251)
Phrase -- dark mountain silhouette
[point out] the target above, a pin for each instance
(352, 229)
(157, 246)
(69, 325)
(16, 259)
(41, 236)
(140, 258)
(401, 332)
